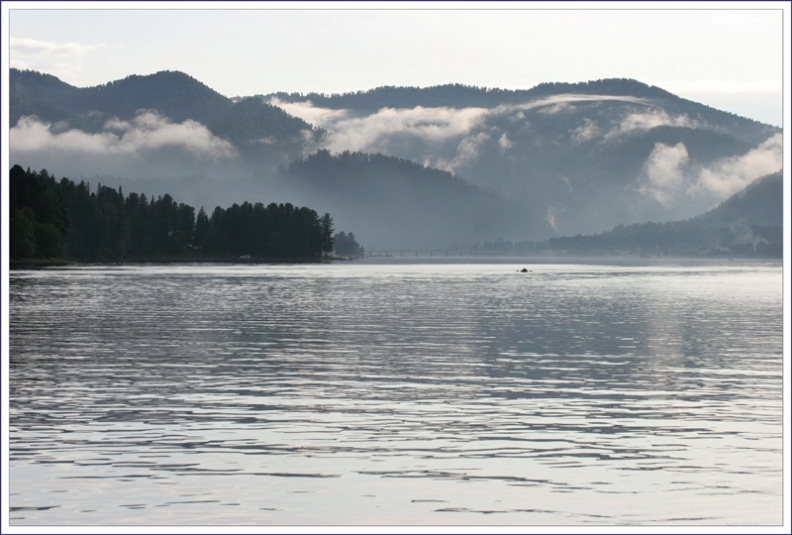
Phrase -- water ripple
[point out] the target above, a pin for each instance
(369, 394)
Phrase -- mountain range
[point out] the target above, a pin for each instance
(403, 166)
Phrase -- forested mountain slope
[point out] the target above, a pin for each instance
(397, 204)
(570, 158)
(749, 223)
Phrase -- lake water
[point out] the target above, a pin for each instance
(395, 393)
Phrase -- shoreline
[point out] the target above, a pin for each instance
(58, 262)
(15, 265)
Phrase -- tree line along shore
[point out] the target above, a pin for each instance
(55, 222)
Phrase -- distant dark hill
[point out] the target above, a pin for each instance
(172, 94)
(749, 223)
(43, 95)
(393, 203)
(759, 204)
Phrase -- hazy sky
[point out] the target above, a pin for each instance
(727, 55)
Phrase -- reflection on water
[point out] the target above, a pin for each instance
(395, 394)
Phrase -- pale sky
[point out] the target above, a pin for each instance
(726, 55)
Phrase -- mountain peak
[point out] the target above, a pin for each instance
(160, 77)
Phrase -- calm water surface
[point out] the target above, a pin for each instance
(397, 393)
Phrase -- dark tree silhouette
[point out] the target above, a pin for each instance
(52, 219)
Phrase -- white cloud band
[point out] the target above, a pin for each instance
(146, 132)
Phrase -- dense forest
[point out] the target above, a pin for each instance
(62, 219)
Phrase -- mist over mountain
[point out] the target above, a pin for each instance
(397, 204)
(749, 223)
(588, 155)
(761, 203)
(460, 96)
(173, 94)
(162, 125)
(557, 159)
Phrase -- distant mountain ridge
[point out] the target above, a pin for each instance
(463, 96)
(574, 158)
(589, 155)
(172, 94)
